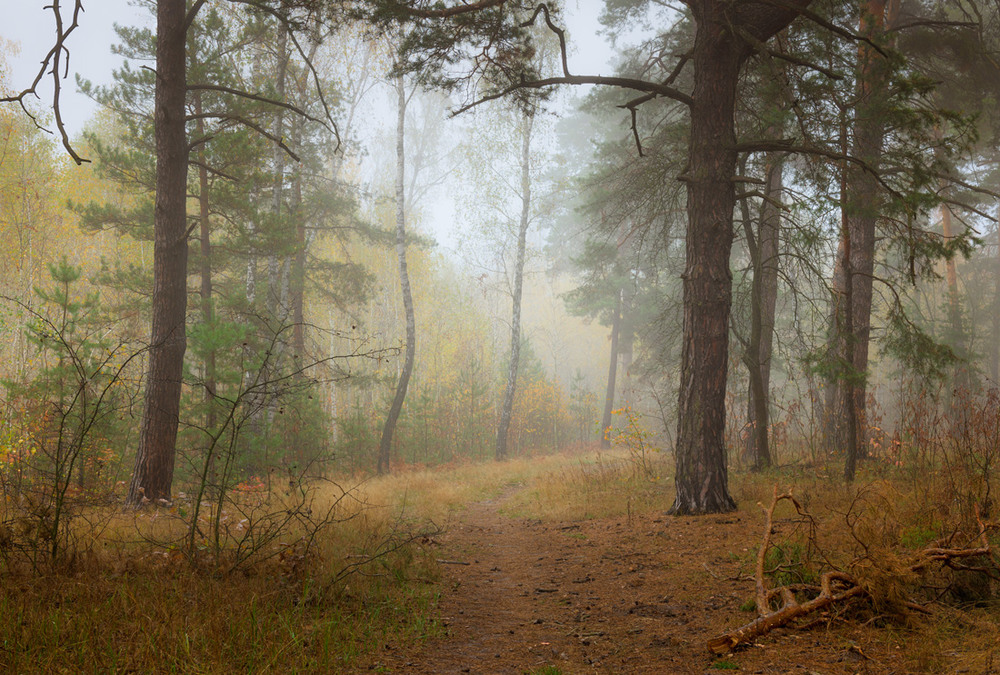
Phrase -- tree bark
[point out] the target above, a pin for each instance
(855, 266)
(298, 272)
(961, 380)
(507, 409)
(154, 467)
(702, 475)
(609, 393)
(385, 444)
(764, 296)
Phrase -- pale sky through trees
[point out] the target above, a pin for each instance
(30, 25)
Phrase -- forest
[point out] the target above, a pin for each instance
(385, 336)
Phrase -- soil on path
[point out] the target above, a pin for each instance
(619, 595)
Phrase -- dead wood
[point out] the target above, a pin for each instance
(835, 587)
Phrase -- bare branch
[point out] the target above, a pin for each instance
(790, 58)
(621, 82)
(834, 587)
(560, 33)
(307, 59)
(829, 25)
(217, 172)
(52, 64)
(635, 131)
(192, 13)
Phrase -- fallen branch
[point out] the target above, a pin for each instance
(452, 562)
(790, 610)
(835, 587)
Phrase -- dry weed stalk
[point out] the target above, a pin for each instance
(835, 586)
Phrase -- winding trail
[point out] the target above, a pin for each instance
(619, 595)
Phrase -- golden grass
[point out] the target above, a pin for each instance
(592, 485)
(132, 600)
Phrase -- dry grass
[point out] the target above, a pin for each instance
(592, 485)
(132, 600)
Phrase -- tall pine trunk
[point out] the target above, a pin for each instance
(718, 56)
(855, 264)
(385, 444)
(298, 264)
(154, 464)
(764, 296)
(298, 280)
(507, 409)
(957, 337)
(995, 351)
(702, 474)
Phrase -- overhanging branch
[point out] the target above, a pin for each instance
(52, 64)
(620, 82)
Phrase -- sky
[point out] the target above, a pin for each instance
(28, 23)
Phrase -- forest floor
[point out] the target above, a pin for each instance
(631, 594)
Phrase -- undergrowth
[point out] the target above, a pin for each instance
(131, 597)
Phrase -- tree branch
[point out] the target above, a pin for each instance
(449, 12)
(829, 25)
(53, 63)
(261, 99)
(621, 82)
(192, 13)
(250, 125)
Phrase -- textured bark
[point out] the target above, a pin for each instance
(702, 475)
(764, 296)
(507, 409)
(855, 264)
(298, 272)
(609, 394)
(626, 346)
(154, 468)
(251, 275)
(385, 444)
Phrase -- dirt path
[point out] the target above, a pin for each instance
(607, 596)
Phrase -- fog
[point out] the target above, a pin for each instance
(604, 250)
(381, 336)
